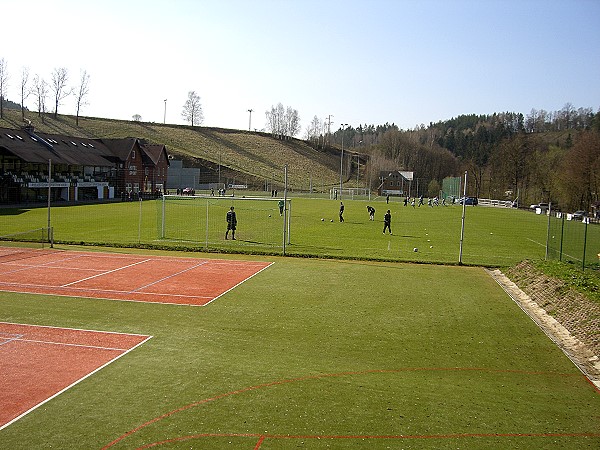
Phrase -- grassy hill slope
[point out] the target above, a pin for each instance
(250, 154)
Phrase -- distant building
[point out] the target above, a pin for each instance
(80, 168)
(396, 183)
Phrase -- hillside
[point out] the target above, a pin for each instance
(255, 157)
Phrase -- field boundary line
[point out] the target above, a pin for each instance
(238, 284)
(262, 437)
(66, 344)
(169, 276)
(56, 394)
(106, 273)
(320, 377)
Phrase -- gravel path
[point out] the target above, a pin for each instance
(569, 318)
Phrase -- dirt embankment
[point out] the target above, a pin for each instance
(566, 316)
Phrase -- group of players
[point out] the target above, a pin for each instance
(387, 217)
(231, 217)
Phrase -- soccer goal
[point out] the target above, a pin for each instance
(201, 220)
(350, 193)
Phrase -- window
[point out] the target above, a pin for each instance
(133, 154)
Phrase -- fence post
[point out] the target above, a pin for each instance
(207, 217)
(548, 230)
(140, 222)
(462, 228)
(584, 242)
(562, 233)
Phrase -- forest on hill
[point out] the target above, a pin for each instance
(542, 157)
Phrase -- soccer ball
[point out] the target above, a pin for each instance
(269, 215)
(415, 249)
(322, 220)
(331, 220)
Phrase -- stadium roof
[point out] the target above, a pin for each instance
(38, 147)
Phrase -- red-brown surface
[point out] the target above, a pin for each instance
(186, 281)
(37, 363)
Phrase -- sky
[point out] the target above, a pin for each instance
(407, 62)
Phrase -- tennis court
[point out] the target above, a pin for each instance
(38, 363)
(182, 281)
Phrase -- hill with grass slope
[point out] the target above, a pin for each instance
(251, 157)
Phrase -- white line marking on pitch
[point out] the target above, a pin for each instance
(106, 273)
(169, 276)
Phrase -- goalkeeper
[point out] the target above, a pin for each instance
(231, 223)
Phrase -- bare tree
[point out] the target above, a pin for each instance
(24, 90)
(60, 78)
(292, 122)
(192, 109)
(313, 131)
(40, 90)
(3, 84)
(580, 171)
(275, 120)
(283, 122)
(82, 92)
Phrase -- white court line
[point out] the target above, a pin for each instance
(22, 267)
(82, 378)
(169, 276)
(69, 345)
(233, 287)
(84, 289)
(69, 329)
(10, 339)
(106, 273)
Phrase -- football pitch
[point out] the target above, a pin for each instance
(314, 353)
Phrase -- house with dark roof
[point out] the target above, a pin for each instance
(74, 169)
(396, 182)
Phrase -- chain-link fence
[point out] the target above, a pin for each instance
(573, 239)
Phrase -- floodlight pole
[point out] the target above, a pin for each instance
(50, 238)
(165, 113)
(250, 120)
(462, 227)
(285, 212)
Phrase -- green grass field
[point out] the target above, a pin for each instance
(319, 354)
(362, 351)
(492, 236)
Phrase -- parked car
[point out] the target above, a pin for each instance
(468, 201)
(542, 206)
(579, 215)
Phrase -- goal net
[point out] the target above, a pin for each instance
(350, 193)
(201, 220)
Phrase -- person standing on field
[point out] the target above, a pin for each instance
(371, 212)
(341, 211)
(281, 205)
(231, 223)
(387, 221)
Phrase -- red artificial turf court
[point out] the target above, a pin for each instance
(37, 363)
(157, 279)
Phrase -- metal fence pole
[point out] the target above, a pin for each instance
(285, 212)
(462, 228)
(586, 221)
(562, 234)
(548, 231)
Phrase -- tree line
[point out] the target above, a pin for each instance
(542, 156)
(57, 89)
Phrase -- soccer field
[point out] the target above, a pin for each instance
(316, 354)
(491, 237)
